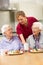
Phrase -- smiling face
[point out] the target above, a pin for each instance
(35, 30)
(22, 19)
(9, 32)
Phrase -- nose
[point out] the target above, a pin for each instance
(20, 21)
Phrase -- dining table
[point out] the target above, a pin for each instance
(26, 58)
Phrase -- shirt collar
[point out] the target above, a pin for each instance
(7, 40)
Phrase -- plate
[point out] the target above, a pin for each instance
(14, 52)
(36, 51)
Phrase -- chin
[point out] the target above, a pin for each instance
(11, 35)
(22, 23)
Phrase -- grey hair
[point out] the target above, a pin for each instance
(38, 24)
(4, 28)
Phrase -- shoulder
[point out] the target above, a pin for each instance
(32, 19)
(16, 38)
(19, 26)
(30, 37)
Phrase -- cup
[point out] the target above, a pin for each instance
(26, 48)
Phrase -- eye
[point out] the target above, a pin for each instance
(20, 19)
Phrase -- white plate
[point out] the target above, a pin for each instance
(15, 53)
(36, 51)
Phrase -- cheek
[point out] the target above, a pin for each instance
(8, 33)
(34, 31)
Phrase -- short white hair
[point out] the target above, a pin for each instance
(4, 28)
(38, 24)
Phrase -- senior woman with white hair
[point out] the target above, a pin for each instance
(9, 41)
(35, 40)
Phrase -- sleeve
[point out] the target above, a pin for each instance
(1, 47)
(34, 19)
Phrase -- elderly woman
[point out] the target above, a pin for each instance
(35, 40)
(9, 41)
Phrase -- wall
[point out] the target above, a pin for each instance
(4, 18)
(30, 7)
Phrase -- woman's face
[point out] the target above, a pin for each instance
(35, 30)
(9, 32)
(21, 20)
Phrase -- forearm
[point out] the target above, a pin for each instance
(22, 39)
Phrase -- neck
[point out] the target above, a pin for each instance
(26, 23)
(9, 38)
(36, 36)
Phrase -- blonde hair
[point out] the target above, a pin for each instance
(20, 13)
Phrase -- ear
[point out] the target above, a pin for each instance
(4, 33)
(40, 30)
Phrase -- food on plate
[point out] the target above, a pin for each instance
(33, 50)
(15, 52)
(21, 51)
(10, 52)
(38, 50)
